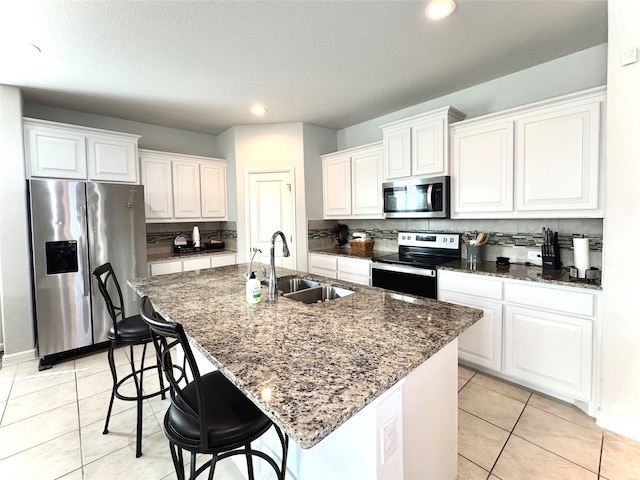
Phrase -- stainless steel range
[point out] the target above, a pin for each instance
(413, 269)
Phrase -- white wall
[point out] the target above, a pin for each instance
(578, 71)
(270, 146)
(226, 146)
(153, 137)
(620, 396)
(16, 311)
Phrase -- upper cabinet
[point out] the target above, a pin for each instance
(542, 160)
(183, 187)
(57, 150)
(352, 183)
(418, 145)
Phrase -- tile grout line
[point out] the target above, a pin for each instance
(510, 433)
(601, 452)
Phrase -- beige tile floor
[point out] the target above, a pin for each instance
(507, 432)
(51, 428)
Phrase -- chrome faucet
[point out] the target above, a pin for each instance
(273, 281)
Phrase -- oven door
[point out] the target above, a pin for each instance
(403, 279)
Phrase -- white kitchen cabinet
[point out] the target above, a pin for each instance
(336, 186)
(158, 191)
(418, 145)
(482, 167)
(56, 150)
(161, 268)
(542, 160)
(183, 187)
(539, 335)
(354, 270)
(186, 189)
(342, 268)
(481, 344)
(550, 350)
(196, 262)
(352, 183)
(558, 157)
(325, 265)
(213, 190)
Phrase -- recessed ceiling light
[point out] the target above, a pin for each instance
(258, 110)
(437, 9)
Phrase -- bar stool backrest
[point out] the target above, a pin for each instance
(107, 281)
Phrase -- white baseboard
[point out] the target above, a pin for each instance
(15, 358)
(620, 426)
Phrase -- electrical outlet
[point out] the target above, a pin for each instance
(534, 255)
(389, 439)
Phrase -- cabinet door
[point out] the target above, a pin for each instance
(397, 152)
(354, 270)
(186, 189)
(213, 188)
(427, 148)
(325, 265)
(112, 159)
(481, 344)
(558, 159)
(161, 268)
(55, 152)
(196, 264)
(336, 186)
(550, 350)
(158, 189)
(482, 179)
(366, 183)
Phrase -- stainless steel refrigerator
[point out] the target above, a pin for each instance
(76, 227)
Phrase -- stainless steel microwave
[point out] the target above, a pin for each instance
(417, 198)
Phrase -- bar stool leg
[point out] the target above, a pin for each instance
(112, 367)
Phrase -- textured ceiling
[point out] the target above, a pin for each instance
(200, 65)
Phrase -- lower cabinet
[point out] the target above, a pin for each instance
(541, 335)
(193, 263)
(342, 268)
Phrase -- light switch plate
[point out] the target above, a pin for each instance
(628, 56)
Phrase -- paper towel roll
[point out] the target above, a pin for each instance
(581, 255)
(195, 236)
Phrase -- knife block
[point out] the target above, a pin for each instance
(551, 256)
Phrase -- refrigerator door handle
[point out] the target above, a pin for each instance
(84, 249)
(92, 241)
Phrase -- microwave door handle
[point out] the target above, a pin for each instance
(429, 201)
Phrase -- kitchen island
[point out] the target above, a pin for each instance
(372, 362)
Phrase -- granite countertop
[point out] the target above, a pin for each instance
(531, 273)
(308, 367)
(348, 252)
(157, 257)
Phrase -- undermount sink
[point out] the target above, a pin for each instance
(318, 294)
(294, 283)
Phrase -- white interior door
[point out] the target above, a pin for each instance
(270, 210)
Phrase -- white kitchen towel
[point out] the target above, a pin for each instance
(581, 255)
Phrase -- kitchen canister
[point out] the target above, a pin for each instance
(475, 254)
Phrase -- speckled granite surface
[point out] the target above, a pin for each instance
(308, 367)
(348, 252)
(522, 272)
(157, 257)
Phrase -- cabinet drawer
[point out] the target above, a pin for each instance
(358, 267)
(195, 264)
(470, 285)
(323, 261)
(161, 268)
(559, 300)
(222, 260)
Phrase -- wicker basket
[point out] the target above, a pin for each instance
(361, 245)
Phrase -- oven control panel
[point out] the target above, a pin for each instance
(433, 240)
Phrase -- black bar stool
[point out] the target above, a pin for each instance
(126, 331)
(208, 415)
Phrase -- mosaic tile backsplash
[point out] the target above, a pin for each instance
(507, 238)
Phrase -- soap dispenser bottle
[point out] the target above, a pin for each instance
(254, 289)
